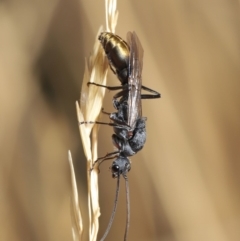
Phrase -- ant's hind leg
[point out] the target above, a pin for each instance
(154, 95)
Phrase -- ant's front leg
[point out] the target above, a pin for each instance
(109, 156)
(104, 112)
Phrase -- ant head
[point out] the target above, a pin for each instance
(120, 166)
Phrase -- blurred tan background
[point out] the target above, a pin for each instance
(184, 184)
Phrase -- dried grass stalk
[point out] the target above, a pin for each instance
(91, 100)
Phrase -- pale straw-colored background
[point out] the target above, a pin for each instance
(184, 184)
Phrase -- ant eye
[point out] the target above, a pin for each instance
(115, 168)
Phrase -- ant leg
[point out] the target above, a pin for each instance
(154, 96)
(109, 156)
(106, 113)
(105, 86)
(97, 122)
(112, 69)
(114, 118)
(120, 125)
(121, 93)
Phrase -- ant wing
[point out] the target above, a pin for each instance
(134, 79)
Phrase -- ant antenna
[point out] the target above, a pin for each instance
(128, 207)
(113, 212)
